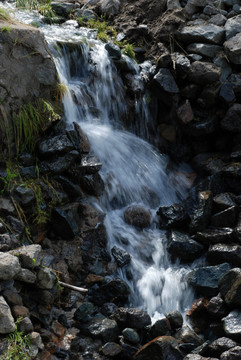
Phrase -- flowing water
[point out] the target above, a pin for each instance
(133, 171)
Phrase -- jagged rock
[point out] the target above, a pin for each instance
(9, 266)
(210, 10)
(185, 114)
(58, 165)
(175, 318)
(25, 325)
(92, 184)
(235, 81)
(111, 349)
(115, 290)
(105, 329)
(45, 279)
(217, 308)
(74, 191)
(62, 8)
(84, 312)
(22, 311)
(173, 4)
(163, 347)
(203, 73)
(214, 236)
(182, 246)
(36, 340)
(197, 357)
(232, 325)
(137, 216)
(12, 297)
(223, 201)
(29, 256)
(207, 50)
(230, 287)
(6, 207)
(65, 221)
(220, 345)
(232, 48)
(160, 327)
(205, 279)
(8, 242)
(201, 216)
(7, 321)
(232, 120)
(232, 354)
(55, 145)
(233, 26)
(198, 315)
(89, 165)
(110, 7)
(108, 309)
(165, 81)
(173, 216)
(203, 33)
(224, 64)
(187, 335)
(219, 253)
(226, 218)
(113, 50)
(121, 256)
(131, 335)
(226, 93)
(237, 230)
(26, 276)
(218, 20)
(131, 317)
(24, 195)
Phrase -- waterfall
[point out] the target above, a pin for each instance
(133, 171)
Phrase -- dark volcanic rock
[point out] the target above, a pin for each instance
(226, 218)
(137, 216)
(232, 325)
(115, 290)
(219, 253)
(55, 145)
(65, 221)
(182, 246)
(223, 201)
(214, 235)
(205, 279)
(230, 287)
(203, 33)
(105, 329)
(121, 256)
(217, 308)
(232, 354)
(220, 345)
(201, 216)
(203, 73)
(165, 81)
(173, 216)
(187, 335)
(207, 50)
(232, 120)
(175, 318)
(163, 347)
(232, 48)
(160, 327)
(131, 317)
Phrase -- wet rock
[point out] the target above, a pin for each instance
(65, 221)
(163, 347)
(185, 114)
(165, 81)
(29, 256)
(137, 216)
(46, 279)
(115, 290)
(224, 64)
(226, 218)
(131, 317)
(113, 50)
(203, 73)
(6, 207)
(121, 256)
(235, 81)
(233, 26)
(105, 329)
(84, 312)
(220, 345)
(58, 165)
(90, 164)
(198, 315)
(26, 276)
(218, 20)
(197, 357)
(232, 120)
(173, 216)
(232, 325)
(214, 236)
(187, 335)
(203, 33)
(217, 308)
(205, 279)
(128, 349)
(63, 8)
(226, 93)
(24, 195)
(7, 321)
(237, 230)
(110, 7)
(9, 266)
(74, 191)
(92, 184)
(160, 327)
(219, 253)
(223, 201)
(175, 319)
(111, 349)
(55, 145)
(232, 354)
(182, 246)
(108, 309)
(207, 50)
(201, 216)
(230, 287)
(131, 335)
(232, 48)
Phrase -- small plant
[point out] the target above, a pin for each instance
(27, 4)
(19, 345)
(4, 15)
(128, 49)
(9, 180)
(104, 31)
(6, 29)
(46, 10)
(61, 90)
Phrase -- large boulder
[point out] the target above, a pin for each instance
(6, 318)
(137, 216)
(232, 325)
(131, 317)
(232, 48)
(207, 33)
(233, 26)
(203, 73)
(182, 246)
(9, 266)
(230, 287)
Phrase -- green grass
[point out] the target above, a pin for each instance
(128, 49)
(4, 15)
(6, 28)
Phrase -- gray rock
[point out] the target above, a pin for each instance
(232, 354)
(207, 50)
(225, 67)
(217, 308)
(203, 73)
(218, 20)
(9, 266)
(92, 184)
(6, 318)
(205, 279)
(131, 335)
(160, 327)
(25, 325)
(110, 7)
(84, 312)
(24, 195)
(105, 329)
(87, 14)
(175, 318)
(203, 33)
(55, 145)
(45, 279)
(173, 4)
(233, 26)
(173, 216)
(12, 297)
(219, 253)
(26, 276)
(121, 256)
(6, 206)
(232, 48)
(214, 236)
(232, 325)
(201, 216)
(197, 357)
(62, 8)
(29, 256)
(235, 81)
(187, 335)
(232, 120)
(230, 287)
(65, 221)
(36, 340)
(59, 164)
(89, 165)
(210, 10)
(182, 246)
(111, 349)
(165, 81)
(138, 216)
(220, 345)
(113, 50)
(131, 317)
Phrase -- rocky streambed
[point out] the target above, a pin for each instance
(53, 233)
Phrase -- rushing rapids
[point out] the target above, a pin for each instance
(133, 171)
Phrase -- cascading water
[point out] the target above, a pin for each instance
(133, 171)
